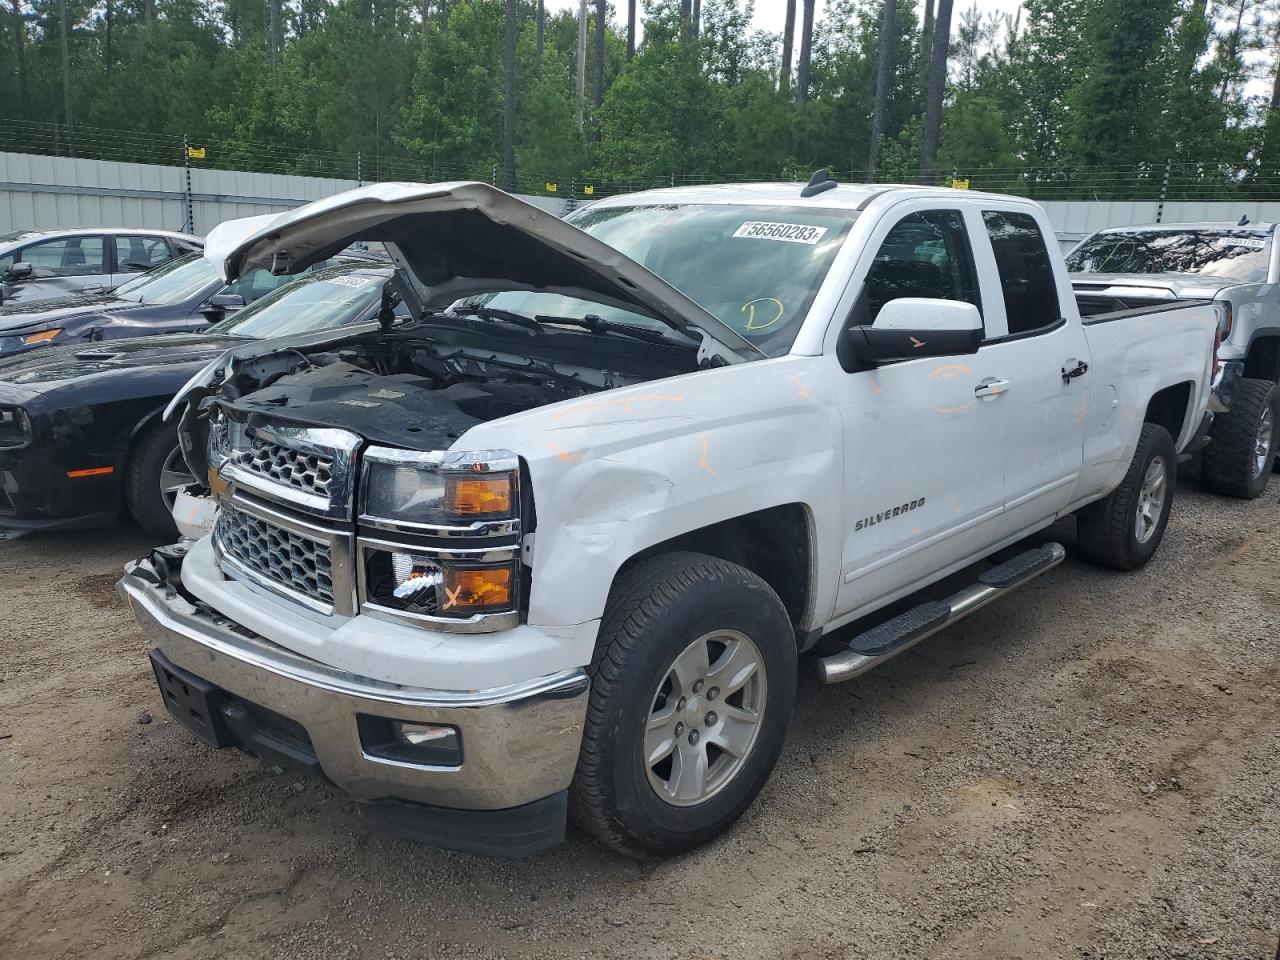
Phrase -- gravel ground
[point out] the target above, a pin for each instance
(1087, 769)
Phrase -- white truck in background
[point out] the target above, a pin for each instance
(553, 548)
(1233, 265)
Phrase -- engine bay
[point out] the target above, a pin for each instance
(423, 384)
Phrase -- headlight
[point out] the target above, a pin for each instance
(446, 540)
(451, 494)
(15, 427)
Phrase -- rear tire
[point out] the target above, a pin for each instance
(694, 653)
(1124, 529)
(151, 467)
(1242, 446)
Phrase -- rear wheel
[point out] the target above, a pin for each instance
(692, 690)
(1238, 460)
(155, 474)
(1124, 529)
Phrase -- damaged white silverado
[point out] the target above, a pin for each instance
(551, 549)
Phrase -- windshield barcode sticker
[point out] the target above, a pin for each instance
(787, 232)
(352, 281)
(1249, 242)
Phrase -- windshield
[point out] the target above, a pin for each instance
(1242, 254)
(755, 268)
(315, 301)
(171, 283)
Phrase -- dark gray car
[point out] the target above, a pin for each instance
(39, 264)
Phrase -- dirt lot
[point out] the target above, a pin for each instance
(1086, 770)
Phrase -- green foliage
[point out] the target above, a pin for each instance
(1084, 95)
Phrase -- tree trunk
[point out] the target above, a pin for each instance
(597, 89)
(20, 50)
(884, 71)
(697, 16)
(933, 94)
(1233, 47)
(509, 113)
(277, 39)
(631, 30)
(788, 36)
(424, 10)
(65, 45)
(149, 12)
(542, 26)
(106, 41)
(926, 40)
(581, 91)
(806, 52)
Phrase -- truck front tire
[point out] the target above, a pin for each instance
(1238, 460)
(692, 689)
(1123, 530)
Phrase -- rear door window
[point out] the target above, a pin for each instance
(1026, 272)
(134, 254)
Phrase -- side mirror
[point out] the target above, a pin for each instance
(912, 327)
(221, 304)
(19, 271)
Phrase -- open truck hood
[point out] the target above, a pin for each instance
(452, 240)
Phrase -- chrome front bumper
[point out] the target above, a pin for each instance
(519, 743)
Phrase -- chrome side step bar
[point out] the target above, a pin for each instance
(880, 643)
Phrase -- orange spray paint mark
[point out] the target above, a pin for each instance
(452, 596)
(703, 461)
(948, 371)
(561, 452)
(801, 392)
(626, 403)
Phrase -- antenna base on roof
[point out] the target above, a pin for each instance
(820, 182)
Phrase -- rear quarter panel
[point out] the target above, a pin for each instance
(1133, 358)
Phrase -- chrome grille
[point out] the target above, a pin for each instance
(307, 472)
(288, 559)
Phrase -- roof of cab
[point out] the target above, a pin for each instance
(843, 196)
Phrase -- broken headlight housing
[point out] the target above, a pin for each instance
(440, 537)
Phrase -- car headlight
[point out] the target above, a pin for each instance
(451, 494)
(445, 539)
(15, 427)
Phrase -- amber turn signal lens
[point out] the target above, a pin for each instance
(476, 589)
(478, 496)
(44, 336)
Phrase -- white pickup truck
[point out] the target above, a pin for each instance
(553, 548)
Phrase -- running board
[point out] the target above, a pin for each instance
(904, 631)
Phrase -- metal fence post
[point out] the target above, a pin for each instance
(359, 170)
(186, 162)
(1164, 191)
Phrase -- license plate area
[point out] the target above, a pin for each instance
(191, 701)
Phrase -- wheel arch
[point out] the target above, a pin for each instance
(1262, 362)
(1170, 407)
(777, 543)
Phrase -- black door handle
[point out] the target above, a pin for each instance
(1072, 369)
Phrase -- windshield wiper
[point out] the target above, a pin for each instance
(492, 313)
(597, 324)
